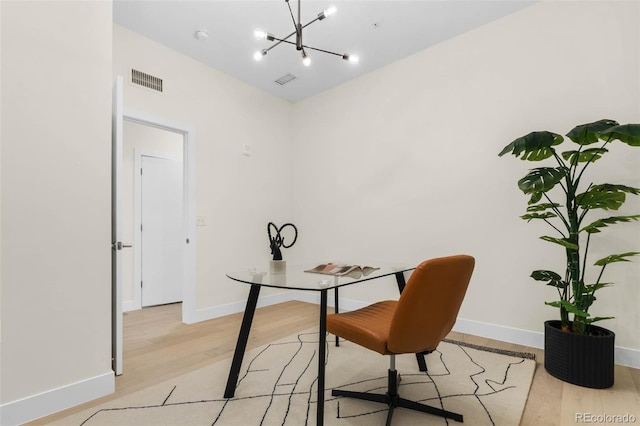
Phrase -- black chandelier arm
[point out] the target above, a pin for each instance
(298, 27)
(306, 47)
(324, 51)
(295, 25)
(310, 22)
(281, 40)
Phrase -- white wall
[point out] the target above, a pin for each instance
(55, 203)
(237, 194)
(403, 163)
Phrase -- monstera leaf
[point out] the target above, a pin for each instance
(587, 156)
(531, 216)
(569, 307)
(538, 211)
(594, 227)
(605, 196)
(541, 179)
(627, 133)
(535, 146)
(542, 207)
(560, 241)
(550, 277)
(622, 257)
(586, 134)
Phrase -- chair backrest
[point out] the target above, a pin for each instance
(429, 304)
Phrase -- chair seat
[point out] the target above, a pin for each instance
(368, 327)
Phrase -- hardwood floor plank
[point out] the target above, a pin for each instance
(543, 403)
(623, 397)
(158, 346)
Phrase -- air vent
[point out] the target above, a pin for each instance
(285, 79)
(146, 80)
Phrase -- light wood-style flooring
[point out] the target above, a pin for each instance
(158, 346)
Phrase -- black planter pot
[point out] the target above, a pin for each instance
(583, 360)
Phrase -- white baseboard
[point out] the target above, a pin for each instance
(130, 305)
(234, 308)
(54, 400)
(627, 356)
(623, 356)
(499, 332)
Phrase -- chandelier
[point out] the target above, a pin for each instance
(306, 60)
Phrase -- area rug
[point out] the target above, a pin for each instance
(277, 386)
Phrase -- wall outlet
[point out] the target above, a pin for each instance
(201, 221)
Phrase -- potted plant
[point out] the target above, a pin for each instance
(576, 351)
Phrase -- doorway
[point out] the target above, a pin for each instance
(153, 215)
(159, 195)
(121, 114)
(151, 136)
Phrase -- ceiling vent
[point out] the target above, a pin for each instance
(287, 78)
(146, 80)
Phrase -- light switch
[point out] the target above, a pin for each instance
(201, 221)
(246, 149)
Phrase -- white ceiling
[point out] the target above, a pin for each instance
(379, 32)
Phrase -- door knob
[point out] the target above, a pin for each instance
(119, 246)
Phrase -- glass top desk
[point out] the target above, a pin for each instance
(294, 277)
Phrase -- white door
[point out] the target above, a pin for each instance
(116, 227)
(162, 230)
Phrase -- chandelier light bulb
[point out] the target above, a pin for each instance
(326, 13)
(354, 59)
(260, 35)
(306, 61)
(259, 54)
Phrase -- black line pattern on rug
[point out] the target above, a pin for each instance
(275, 384)
(472, 377)
(169, 396)
(309, 392)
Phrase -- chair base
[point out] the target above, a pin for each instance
(393, 400)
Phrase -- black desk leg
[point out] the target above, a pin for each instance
(335, 290)
(322, 355)
(241, 345)
(422, 364)
(401, 282)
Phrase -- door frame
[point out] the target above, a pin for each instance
(137, 219)
(116, 227)
(189, 202)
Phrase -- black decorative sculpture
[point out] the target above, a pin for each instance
(277, 241)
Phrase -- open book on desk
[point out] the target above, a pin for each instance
(341, 270)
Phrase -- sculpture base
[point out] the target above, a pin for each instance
(277, 267)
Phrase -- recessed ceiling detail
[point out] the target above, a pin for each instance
(287, 78)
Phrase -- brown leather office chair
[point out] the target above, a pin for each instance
(416, 323)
